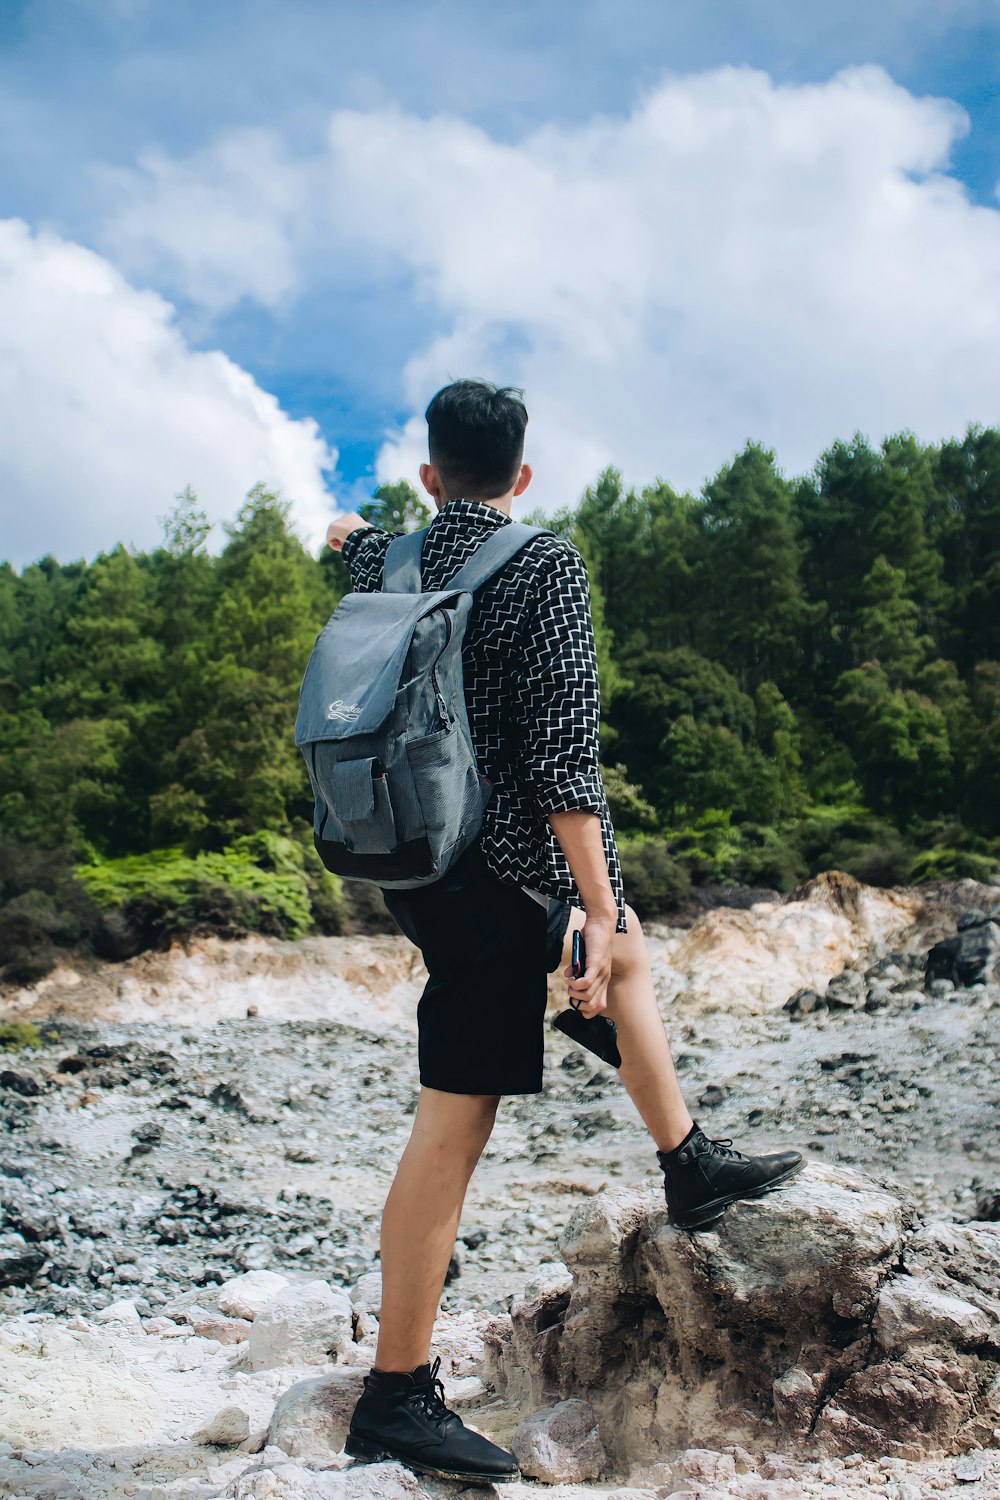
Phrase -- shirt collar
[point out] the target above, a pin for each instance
(474, 511)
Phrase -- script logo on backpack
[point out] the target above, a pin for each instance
(383, 723)
(340, 710)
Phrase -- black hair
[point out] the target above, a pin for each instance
(475, 434)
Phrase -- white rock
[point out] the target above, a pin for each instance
(385, 1481)
(707, 1466)
(244, 1296)
(119, 1312)
(560, 1444)
(312, 1417)
(226, 1429)
(366, 1293)
(304, 1325)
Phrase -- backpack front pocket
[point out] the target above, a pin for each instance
(446, 782)
(360, 802)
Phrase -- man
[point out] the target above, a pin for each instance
(545, 864)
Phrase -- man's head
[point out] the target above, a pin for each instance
(475, 436)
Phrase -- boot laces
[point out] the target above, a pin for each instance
(722, 1148)
(430, 1394)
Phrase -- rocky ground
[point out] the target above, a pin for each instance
(164, 1141)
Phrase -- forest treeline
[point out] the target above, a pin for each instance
(796, 674)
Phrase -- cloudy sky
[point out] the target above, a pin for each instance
(248, 241)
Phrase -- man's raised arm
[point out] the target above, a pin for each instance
(341, 527)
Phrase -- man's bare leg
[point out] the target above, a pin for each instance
(647, 1069)
(421, 1216)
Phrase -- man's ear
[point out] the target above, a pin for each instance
(523, 479)
(431, 481)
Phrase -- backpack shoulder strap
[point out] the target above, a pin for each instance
(500, 546)
(401, 569)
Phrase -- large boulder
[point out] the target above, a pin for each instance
(308, 1324)
(815, 1319)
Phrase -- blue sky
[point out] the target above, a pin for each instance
(664, 219)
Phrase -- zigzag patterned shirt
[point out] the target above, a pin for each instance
(531, 686)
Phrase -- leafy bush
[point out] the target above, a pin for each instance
(709, 848)
(955, 864)
(846, 836)
(654, 882)
(260, 883)
(18, 1036)
(628, 807)
(886, 861)
(770, 857)
(44, 908)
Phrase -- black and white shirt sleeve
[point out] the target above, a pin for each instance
(558, 703)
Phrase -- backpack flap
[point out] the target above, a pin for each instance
(352, 678)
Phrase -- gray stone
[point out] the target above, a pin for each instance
(962, 1260)
(846, 991)
(973, 957)
(550, 1276)
(304, 1325)
(911, 1309)
(560, 1444)
(804, 1002)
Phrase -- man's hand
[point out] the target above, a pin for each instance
(590, 992)
(340, 529)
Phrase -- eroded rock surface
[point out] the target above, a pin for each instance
(816, 1319)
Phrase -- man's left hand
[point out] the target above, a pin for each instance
(341, 527)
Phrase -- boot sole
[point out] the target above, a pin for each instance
(370, 1452)
(712, 1212)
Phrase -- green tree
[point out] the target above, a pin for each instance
(755, 604)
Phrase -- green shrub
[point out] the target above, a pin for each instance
(654, 883)
(770, 857)
(708, 849)
(17, 1036)
(257, 884)
(628, 807)
(848, 836)
(885, 861)
(955, 864)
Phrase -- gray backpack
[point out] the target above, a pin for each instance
(383, 723)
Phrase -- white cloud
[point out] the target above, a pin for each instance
(108, 413)
(216, 222)
(734, 259)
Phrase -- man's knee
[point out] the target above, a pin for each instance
(460, 1120)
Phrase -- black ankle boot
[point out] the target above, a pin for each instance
(404, 1417)
(701, 1177)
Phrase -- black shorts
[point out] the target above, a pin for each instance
(487, 947)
